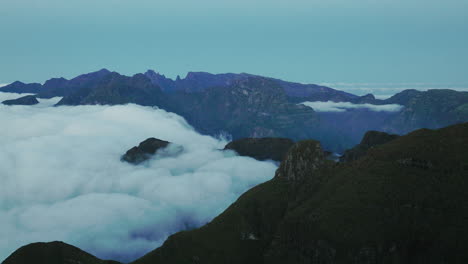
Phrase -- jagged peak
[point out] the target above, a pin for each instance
(152, 73)
(303, 158)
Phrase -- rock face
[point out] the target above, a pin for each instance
(25, 100)
(370, 140)
(261, 148)
(144, 151)
(254, 107)
(53, 253)
(303, 159)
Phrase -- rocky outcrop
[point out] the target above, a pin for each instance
(370, 140)
(53, 253)
(144, 151)
(261, 148)
(303, 159)
(25, 100)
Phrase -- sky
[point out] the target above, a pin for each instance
(313, 41)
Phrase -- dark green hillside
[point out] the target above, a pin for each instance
(53, 253)
(404, 202)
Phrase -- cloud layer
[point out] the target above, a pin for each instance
(331, 106)
(62, 178)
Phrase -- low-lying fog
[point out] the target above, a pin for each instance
(62, 179)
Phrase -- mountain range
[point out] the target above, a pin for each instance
(246, 105)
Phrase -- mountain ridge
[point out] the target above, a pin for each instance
(215, 104)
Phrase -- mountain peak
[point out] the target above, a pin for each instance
(303, 158)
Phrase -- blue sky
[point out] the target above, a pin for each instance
(314, 41)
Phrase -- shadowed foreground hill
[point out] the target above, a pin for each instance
(53, 253)
(370, 140)
(404, 202)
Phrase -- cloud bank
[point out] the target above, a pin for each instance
(62, 179)
(331, 106)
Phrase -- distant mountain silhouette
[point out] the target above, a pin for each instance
(247, 105)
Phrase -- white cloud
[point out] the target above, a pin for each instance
(62, 178)
(331, 106)
(3, 84)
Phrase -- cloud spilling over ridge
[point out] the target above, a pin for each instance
(331, 106)
(62, 178)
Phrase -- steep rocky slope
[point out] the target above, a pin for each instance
(404, 202)
(254, 107)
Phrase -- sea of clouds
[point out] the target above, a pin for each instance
(62, 179)
(331, 106)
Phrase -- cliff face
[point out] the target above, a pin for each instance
(403, 202)
(254, 107)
